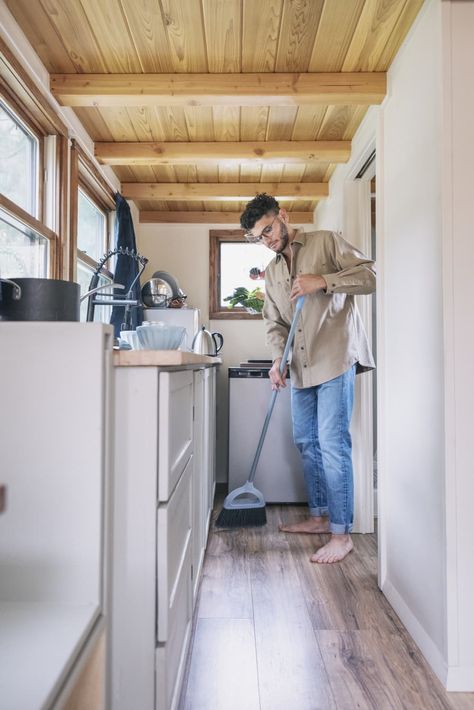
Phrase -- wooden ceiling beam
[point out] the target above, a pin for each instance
(147, 153)
(223, 191)
(147, 216)
(266, 89)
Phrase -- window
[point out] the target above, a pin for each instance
(231, 259)
(24, 252)
(18, 162)
(91, 227)
(92, 243)
(27, 247)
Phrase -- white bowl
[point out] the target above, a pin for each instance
(130, 337)
(160, 336)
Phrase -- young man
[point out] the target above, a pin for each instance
(330, 347)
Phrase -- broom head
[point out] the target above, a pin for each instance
(243, 508)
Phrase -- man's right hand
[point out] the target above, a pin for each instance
(278, 381)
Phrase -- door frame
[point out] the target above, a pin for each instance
(357, 228)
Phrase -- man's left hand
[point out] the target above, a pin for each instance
(307, 283)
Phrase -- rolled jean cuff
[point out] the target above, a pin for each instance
(319, 512)
(340, 528)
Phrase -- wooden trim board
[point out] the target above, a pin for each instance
(161, 358)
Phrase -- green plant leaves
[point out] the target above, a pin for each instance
(248, 299)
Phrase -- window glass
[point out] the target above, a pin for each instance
(84, 275)
(237, 259)
(23, 252)
(18, 162)
(91, 228)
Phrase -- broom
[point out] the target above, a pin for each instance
(245, 506)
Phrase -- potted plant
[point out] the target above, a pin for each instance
(252, 301)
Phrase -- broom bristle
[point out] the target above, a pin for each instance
(241, 517)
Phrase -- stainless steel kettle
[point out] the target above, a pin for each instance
(206, 343)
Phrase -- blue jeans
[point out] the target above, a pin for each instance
(321, 420)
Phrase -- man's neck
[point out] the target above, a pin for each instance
(291, 235)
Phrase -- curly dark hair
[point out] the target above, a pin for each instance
(257, 208)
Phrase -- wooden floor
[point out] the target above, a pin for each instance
(275, 632)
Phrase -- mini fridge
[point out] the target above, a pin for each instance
(280, 471)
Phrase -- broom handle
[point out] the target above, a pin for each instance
(291, 335)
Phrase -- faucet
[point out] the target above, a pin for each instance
(16, 288)
(99, 288)
(117, 300)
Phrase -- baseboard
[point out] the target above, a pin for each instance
(424, 642)
(460, 679)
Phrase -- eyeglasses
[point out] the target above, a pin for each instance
(266, 232)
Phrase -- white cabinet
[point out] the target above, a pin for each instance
(204, 465)
(54, 531)
(209, 438)
(162, 495)
(176, 428)
(199, 481)
(173, 540)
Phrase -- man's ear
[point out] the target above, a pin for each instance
(284, 215)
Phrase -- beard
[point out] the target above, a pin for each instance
(283, 238)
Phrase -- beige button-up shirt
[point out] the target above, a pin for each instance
(330, 336)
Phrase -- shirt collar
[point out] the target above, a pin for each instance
(300, 238)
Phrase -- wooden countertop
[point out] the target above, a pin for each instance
(161, 358)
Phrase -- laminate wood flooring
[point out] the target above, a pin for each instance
(274, 632)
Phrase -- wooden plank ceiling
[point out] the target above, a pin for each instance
(151, 69)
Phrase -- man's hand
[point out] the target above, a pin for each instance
(307, 283)
(278, 381)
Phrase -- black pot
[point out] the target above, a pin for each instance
(40, 300)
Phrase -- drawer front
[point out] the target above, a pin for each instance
(174, 524)
(171, 656)
(175, 436)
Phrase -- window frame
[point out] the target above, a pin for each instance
(217, 237)
(34, 221)
(22, 216)
(19, 115)
(84, 188)
(86, 177)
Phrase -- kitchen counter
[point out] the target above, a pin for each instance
(39, 644)
(161, 358)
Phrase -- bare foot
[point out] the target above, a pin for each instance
(334, 551)
(311, 525)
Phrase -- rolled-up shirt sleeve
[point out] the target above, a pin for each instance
(275, 327)
(354, 274)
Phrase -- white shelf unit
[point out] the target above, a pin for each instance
(55, 444)
(163, 479)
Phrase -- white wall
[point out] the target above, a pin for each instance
(425, 173)
(334, 212)
(458, 179)
(411, 405)
(183, 251)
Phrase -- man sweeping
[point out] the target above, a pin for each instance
(329, 349)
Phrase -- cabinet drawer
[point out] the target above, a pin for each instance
(175, 443)
(171, 656)
(174, 523)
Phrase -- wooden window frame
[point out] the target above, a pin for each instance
(85, 176)
(216, 311)
(25, 218)
(84, 187)
(19, 91)
(18, 112)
